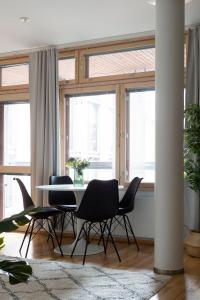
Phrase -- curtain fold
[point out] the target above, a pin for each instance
(192, 97)
(44, 101)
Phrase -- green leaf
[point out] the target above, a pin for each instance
(1, 242)
(18, 271)
(14, 222)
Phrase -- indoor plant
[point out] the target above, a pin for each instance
(78, 165)
(192, 168)
(18, 271)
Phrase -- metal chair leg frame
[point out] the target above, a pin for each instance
(78, 238)
(102, 236)
(109, 230)
(31, 232)
(131, 229)
(25, 235)
(72, 218)
(50, 235)
(103, 233)
(55, 235)
(126, 229)
(87, 242)
(55, 221)
(62, 227)
(112, 240)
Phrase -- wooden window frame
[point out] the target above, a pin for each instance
(125, 88)
(63, 122)
(11, 61)
(134, 45)
(67, 55)
(12, 170)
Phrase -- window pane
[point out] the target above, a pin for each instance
(10, 194)
(15, 134)
(124, 62)
(141, 135)
(15, 75)
(92, 133)
(66, 69)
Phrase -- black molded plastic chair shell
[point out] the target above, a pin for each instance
(99, 205)
(44, 214)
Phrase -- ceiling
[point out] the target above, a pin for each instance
(72, 21)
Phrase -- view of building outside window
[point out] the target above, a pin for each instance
(121, 63)
(92, 131)
(17, 134)
(141, 135)
(66, 69)
(15, 75)
(16, 152)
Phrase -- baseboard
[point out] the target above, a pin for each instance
(120, 239)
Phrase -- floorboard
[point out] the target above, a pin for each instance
(185, 286)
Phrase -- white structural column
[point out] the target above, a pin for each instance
(169, 136)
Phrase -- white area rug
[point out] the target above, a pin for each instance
(61, 281)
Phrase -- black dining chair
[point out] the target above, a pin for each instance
(126, 205)
(64, 201)
(99, 205)
(38, 219)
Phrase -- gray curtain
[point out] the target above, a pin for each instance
(192, 96)
(44, 120)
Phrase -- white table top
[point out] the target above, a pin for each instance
(66, 187)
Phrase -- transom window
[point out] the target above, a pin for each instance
(121, 63)
(66, 69)
(14, 75)
(92, 132)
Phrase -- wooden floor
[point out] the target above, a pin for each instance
(186, 286)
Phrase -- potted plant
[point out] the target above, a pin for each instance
(192, 169)
(78, 165)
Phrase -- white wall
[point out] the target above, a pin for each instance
(142, 218)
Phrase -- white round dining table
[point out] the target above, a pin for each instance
(79, 191)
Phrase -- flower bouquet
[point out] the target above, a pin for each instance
(78, 165)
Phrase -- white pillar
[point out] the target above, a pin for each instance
(169, 136)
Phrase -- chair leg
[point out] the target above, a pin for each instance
(62, 227)
(103, 233)
(55, 235)
(50, 235)
(112, 240)
(110, 227)
(77, 239)
(131, 229)
(102, 236)
(25, 235)
(72, 218)
(87, 242)
(31, 232)
(124, 219)
(55, 221)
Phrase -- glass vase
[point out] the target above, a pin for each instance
(78, 177)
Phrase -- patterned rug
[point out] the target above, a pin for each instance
(67, 281)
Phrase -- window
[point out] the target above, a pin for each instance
(14, 154)
(121, 63)
(15, 134)
(140, 150)
(66, 69)
(11, 194)
(91, 133)
(15, 75)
